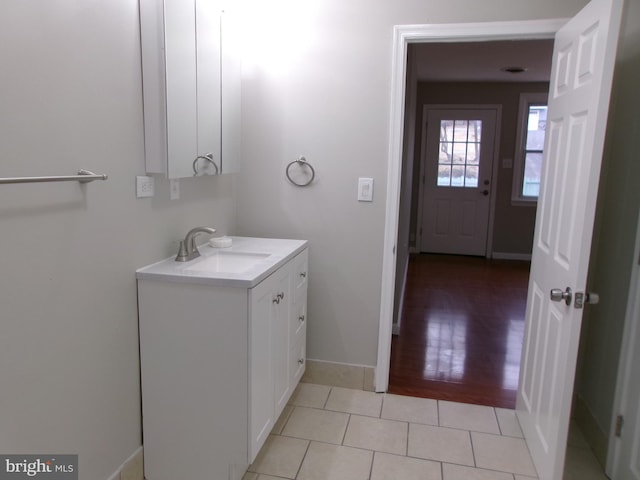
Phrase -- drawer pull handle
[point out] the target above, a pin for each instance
(301, 318)
(303, 274)
(301, 361)
(281, 295)
(276, 300)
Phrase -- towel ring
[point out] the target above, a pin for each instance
(209, 158)
(303, 162)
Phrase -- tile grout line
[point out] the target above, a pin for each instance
(326, 400)
(344, 435)
(407, 447)
(284, 425)
(495, 414)
(302, 461)
(373, 459)
(473, 450)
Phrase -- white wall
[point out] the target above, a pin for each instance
(329, 100)
(70, 98)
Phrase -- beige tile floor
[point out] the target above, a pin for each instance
(332, 433)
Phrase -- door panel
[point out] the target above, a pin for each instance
(577, 112)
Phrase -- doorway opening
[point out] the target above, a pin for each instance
(583, 24)
(463, 108)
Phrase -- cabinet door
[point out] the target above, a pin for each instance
(181, 95)
(280, 339)
(208, 82)
(261, 389)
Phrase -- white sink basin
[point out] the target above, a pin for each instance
(245, 264)
(226, 262)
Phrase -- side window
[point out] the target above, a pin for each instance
(527, 167)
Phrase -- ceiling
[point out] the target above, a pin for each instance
(483, 61)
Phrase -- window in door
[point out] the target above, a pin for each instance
(532, 122)
(459, 153)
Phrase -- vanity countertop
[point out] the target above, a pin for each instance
(245, 264)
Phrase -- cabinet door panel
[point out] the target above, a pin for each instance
(297, 321)
(261, 386)
(180, 72)
(298, 359)
(280, 341)
(300, 275)
(208, 78)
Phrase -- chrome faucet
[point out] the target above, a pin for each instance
(188, 250)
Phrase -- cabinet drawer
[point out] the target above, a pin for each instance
(298, 359)
(297, 322)
(300, 276)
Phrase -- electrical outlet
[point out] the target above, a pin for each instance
(144, 186)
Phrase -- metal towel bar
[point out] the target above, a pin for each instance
(83, 176)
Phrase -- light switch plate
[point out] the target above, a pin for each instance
(365, 189)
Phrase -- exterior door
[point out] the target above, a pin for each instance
(457, 168)
(581, 74)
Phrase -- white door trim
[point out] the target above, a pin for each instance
(402, 36)
(494, 162)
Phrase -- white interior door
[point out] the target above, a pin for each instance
(457, 166)
(581, 74)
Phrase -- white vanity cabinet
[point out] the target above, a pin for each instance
(219, 362)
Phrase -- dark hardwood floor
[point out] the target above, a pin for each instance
(461, 330)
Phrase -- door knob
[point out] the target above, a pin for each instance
(558, 295)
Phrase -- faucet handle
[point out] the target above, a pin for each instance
(182, 252)
(192, 244)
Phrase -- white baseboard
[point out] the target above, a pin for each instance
(336, 374)
(511, 256)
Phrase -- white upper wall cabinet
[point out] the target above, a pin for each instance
(191, 88)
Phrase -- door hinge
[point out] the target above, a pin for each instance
(619, 424)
